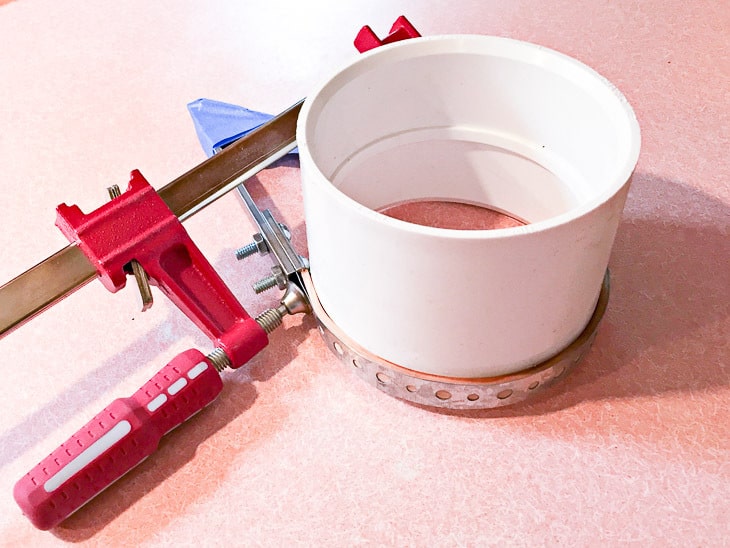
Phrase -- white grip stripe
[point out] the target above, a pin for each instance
(177, 386)
(156, 403)
(197, 370)
(87, 456)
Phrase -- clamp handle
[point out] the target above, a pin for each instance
(116, 440)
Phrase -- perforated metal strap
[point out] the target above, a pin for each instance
(448, 392)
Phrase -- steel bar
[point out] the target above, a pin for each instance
(64, 272)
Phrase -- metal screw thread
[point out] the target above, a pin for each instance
(271, 318)
(246, 251)
(265, 284)
(114, 191)
(219, 359)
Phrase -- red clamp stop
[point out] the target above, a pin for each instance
(402, 29)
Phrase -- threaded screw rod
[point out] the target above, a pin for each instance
(271, 318)
(246, 251)
(219, 359)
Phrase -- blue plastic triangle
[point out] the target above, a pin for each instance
(217, 123)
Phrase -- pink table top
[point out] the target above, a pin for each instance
(632, 448)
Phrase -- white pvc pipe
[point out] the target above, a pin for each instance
(474, 119)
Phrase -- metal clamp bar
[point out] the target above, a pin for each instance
(64, 272)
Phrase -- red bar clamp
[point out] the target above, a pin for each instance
(138, 229)
(402, 29)
(138, 226)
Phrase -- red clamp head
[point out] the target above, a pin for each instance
(402, 29)
(138, 225)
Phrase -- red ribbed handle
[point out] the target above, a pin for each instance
(116, 440)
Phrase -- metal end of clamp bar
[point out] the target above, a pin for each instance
(274, 239)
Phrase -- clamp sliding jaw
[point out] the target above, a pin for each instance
(274, 239)
(138, 228)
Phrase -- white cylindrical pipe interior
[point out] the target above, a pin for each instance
(482, 120)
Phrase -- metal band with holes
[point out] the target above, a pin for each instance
(448, 392)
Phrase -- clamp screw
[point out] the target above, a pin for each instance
(271, 319)
(219, 359)
(277, 279)
(295, 301)
(258, 245)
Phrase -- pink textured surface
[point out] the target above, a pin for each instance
(633, 448)
(452, 215)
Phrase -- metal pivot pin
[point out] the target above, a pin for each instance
(143, 283)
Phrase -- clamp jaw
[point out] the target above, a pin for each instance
(137, 227)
